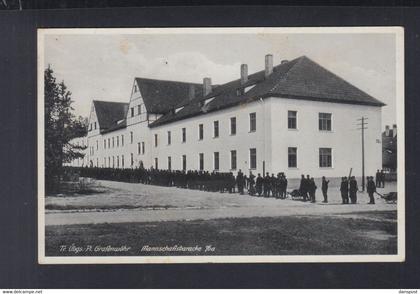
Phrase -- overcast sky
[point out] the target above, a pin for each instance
(103, 67)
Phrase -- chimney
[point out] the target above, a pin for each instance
(387, 131)
(206, 86)
(394, 130)
(268, 65)
(191, 92)
(244, 74)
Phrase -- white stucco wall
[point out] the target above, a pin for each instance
(344, 138)
(271, 139)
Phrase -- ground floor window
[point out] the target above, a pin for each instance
(156, 163)
(131, 159)
(122, 161)
(292, 156)
(169, 163)
(216, 160)
(184, 162)
(253, 158)
(201, 161)
(325, 157)
(233, 159)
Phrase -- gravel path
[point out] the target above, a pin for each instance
(183, 204)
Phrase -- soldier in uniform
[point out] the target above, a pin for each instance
(353, 190)
(302, 187)
(324, 188)
(378, 178)
(266, 182)
(312, 189)
(259, 185)
(371, 188)
(382, 176)
(284, 185)
(251, 184)
(344, 188)
(240, 182)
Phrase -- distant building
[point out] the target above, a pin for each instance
(389, 148)
(296, 117)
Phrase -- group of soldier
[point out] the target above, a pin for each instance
(267, 186)
(349, 189)
(380, 179)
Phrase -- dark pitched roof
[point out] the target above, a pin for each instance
(161, 96)
(300, 78)
(111, 115)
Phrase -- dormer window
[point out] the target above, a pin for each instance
(135, 89)
(132, 111)
(207, 101)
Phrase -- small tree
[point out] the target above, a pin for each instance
(60, 127)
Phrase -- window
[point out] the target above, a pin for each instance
(325, 157)
(113, 142)
(252, 158)
(95, 124)
(122, 161)
(118, 161)
(324, 121)
(201, 161)
(169, 137)
(131, 137)
(122, 140)
(216, 129)
(109, 161)
(216, 160)
(292, 119)
(97, 145)
(104, 161)
(131, 159)
(252, 122)
(113, 161)
(184, 162)
(139, 109)
(200, 132)
(109, 143)
(184, 135)
(104, 143)
(169, 163)
(156, 163)
(118, 141)
(233, 159)
(142, 148)
(292, 156)
(90, 127)
(233, 125)
(97, 162)
(156, 140)
(138, 148)
(132, 111)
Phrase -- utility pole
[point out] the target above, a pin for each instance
(363, 127)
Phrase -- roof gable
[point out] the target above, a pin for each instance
(111, 115)
(161, 96)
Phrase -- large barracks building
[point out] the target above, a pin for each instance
(295, 117)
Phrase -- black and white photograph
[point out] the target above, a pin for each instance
(197, 145)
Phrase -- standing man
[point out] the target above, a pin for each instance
(382, 178)
(344, 188)
(267, 181)
(308, 185)
(324, 188)
(259, 185)
(371, 188)
(312, 189)
(251, 183)
(240, 182)
(302, 187)
(378, 178)
(353, 190)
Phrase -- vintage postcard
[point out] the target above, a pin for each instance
(198, 145)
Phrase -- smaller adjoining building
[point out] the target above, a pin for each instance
(389, 149)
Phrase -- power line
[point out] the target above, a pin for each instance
(363, 127)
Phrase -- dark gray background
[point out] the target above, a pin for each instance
(18, 167)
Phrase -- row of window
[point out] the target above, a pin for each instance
(325, 159)
(324, 125)
(324, 120)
